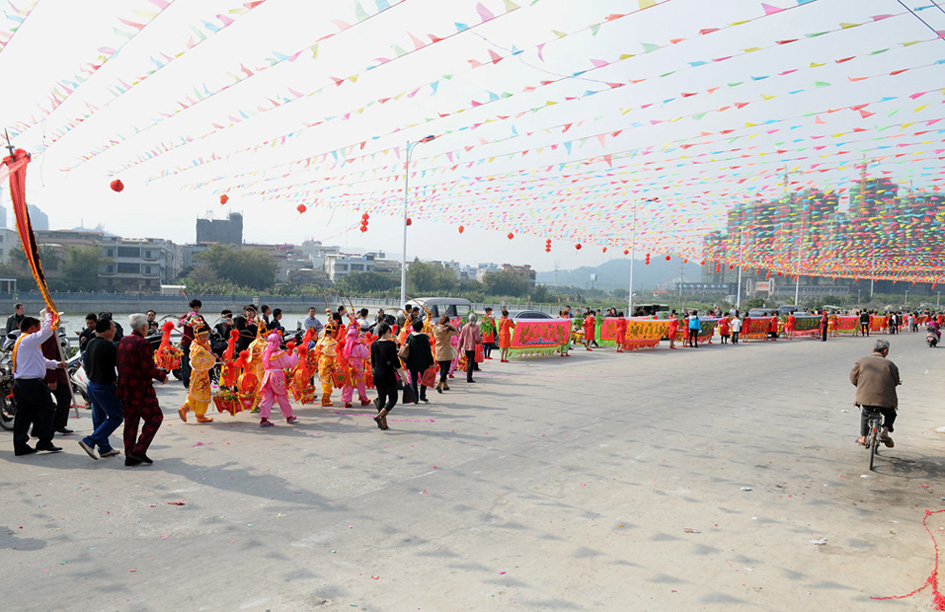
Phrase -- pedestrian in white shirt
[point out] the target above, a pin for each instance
(736, 329)
(34, 405)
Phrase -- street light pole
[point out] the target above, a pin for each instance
(633, 252)
(403, 261)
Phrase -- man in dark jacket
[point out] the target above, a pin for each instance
(136, 370)
(58, 382)
(100, 363)
(876, 379)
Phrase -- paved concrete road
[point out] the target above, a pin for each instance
(657, 480)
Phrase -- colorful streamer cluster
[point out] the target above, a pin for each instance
(772, 135)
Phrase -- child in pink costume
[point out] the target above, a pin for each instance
(273, 386)
(356, 353)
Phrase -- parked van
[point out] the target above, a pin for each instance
(439, 306)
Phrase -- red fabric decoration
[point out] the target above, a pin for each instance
(117, 185)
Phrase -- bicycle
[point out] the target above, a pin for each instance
(874, 420)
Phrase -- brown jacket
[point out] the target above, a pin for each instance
(442, 335)
(875, 378)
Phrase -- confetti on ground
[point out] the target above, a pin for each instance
(175, 503)
(746, 488)
(690, 530)
(820, 542)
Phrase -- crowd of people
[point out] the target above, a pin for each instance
(256, 363)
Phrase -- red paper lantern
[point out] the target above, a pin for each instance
(668, 258)
(603, 250)
(626, 251)
(731, 267)
(363, 228)
(578, 246)
(224, 199)
(117, 185)
(510, 235)
(301, 208)
(685, 261)
(409, 221)
(461, 229)
(365, 216)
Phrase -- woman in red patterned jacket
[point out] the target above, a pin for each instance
(136, 369)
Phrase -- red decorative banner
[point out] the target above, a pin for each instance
(756, 329)
(644, 333)
(543, 336)
(848, 324)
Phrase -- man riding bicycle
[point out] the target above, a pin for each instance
(876, 379)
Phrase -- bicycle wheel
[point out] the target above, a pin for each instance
(7, 413)
(873, 440)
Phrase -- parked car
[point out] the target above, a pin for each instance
(439, 306)
(518, 315)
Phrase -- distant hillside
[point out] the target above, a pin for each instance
(615, 274)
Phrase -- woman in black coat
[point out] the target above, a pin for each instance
(418, 360)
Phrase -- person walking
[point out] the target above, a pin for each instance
(419, 358)
(384, 366)
(736, 328)
(34, 405)
(876, 378)
(694, 327)
(823, 325)
(506, 325)
(100, 363)
(58, 382)
(199, 392)
(139, 402)
(442, 333)
(469, 338)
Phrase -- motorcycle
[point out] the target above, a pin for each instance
(7, 403)
(78, 377)
(931, 338)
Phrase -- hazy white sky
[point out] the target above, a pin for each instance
(524, 145)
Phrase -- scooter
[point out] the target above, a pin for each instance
(931, 338)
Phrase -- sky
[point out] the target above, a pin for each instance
(553, 119)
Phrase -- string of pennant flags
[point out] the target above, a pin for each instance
(766, 135)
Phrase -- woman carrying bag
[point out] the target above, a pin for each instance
(442, 332)
(419, 358)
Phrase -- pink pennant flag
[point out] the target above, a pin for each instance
(485, 13)
(770, 10)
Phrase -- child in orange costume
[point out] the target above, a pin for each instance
(326, 353)
(247, 384)
(167, 356)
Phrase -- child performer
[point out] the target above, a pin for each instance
(275, 362)
(356, 354)
(201, 360)
(488, 328)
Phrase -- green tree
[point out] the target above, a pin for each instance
(429, 278)
(504, 282)
(252, 268)
(80, 268)
(358, 283)
(541, 294)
